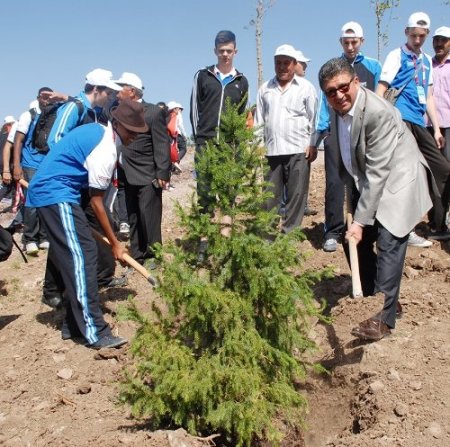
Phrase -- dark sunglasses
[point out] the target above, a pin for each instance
(343, 88)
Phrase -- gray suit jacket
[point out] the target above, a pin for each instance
(389, 171)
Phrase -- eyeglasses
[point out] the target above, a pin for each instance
(343, 88)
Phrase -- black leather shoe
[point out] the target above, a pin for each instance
(53, 301)
(372, 330)
(116, 282)
(310, 211)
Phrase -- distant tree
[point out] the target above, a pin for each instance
(381, 6)
(261, 8)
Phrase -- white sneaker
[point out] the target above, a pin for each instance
(414, 240)
(330, 245)
(124, 228)
(31, 248)
(44, 245)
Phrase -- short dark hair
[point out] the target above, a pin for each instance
(44, 89)
(225, 36)
(88, 88)
(334, 67)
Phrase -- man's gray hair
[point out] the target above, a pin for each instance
(334, 67)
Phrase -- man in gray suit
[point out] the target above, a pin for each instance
(387, 177)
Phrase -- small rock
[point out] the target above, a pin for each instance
(41, 406)
(435, 430)
(393, 375)
(421, 263)
(58, 358)
(410, 272)
(65, 373)
(401, 409)
(376, 386)
(416, 386)
(84, 389)
(429, 254)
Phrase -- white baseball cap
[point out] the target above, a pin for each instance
(130, 79)
(174, 105)
(443, 31)
(301, 57)
(286, 50)
(419, 20)
(9, 119)
(352, 29)
(102, 78)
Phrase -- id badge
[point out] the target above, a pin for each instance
(421, 95)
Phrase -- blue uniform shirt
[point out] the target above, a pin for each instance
(86, 157)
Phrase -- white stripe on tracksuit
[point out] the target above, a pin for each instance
(63, 123)
(79, 272)
(194, 109)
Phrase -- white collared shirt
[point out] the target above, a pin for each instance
(344, 134)
(287, 115)
(222, 76)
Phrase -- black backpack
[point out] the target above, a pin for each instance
(45, 123)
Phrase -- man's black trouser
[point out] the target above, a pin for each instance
(440, 168)
(33, 231)
(289, 175)
(144, 207)
(334, 191)
(106, 265)
(381, 269)
(73, 253)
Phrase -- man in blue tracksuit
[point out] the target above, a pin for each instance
(85, 108)
(368, 71)
(86, 157)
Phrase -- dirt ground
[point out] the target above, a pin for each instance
(395, 392)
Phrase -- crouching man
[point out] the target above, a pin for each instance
(386, 175)
(85, 156)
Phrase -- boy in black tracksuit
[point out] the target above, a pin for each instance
(212, 86)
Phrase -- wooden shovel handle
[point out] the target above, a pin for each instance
(126, 257)
(354, 262)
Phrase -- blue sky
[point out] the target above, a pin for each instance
(56, 42)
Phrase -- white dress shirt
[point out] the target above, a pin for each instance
(344, 134)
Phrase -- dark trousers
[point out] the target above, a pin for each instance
(5, 190)
(33, 230)
(106, 265)
(144, 206)
(334, 191)
(446, 150)
(289, 175)
(380, 270)
(440, 168)
(205, 201)
(73, 252)
(121, 198)
(446, 134)
(182, 148)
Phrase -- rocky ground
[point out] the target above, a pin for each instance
(395, 392)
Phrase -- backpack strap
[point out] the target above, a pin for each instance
(80, 107)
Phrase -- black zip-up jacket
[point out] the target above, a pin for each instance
(208, 101)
